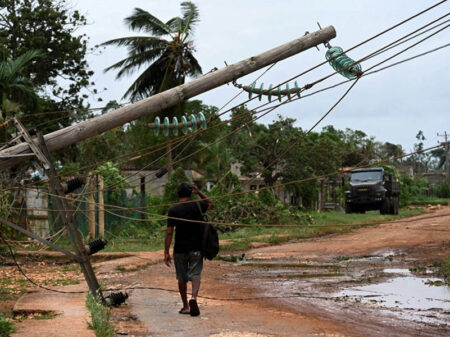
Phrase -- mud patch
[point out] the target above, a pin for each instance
(239, 334)
(34, 314)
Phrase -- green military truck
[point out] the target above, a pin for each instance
(372, 189)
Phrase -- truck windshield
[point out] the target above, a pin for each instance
(366, 176)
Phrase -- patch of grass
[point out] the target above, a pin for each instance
(127, 244)
(6, 327)
(418, 270)
(236, 245)
(444, 268)
(12, 287)
(430, 201)
(99, 318)
(322, 224)
(227, 258)
(133, 268)
(436, 283)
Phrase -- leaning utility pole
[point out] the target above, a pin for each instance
(81, 255)
(11, 154)
(97, 125)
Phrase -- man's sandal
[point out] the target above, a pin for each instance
(195, 311)
(184, 312)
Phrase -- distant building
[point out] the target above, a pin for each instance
(254, 181)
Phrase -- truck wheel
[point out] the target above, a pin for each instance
(385, 206)
(396, 205)
(392, 205)
(348, 209)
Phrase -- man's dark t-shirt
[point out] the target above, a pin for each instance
(188, 232)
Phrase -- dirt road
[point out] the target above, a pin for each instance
(375, 281)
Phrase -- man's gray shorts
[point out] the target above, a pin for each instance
(188, 266)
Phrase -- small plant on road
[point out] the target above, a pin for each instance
(99, 318)
(6, 327)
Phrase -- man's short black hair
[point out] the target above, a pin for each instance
(184, 190)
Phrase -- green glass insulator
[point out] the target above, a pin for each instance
(202, 118)
(288, 91)
(338, 60)
(175, 126)
(184, 121)
(157, 123)
(166, 126)
(252, 87)
(193, 121)
(298, 89)
(261, 88)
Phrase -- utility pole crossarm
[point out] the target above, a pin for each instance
(97, 125)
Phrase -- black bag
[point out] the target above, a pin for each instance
(210, 241)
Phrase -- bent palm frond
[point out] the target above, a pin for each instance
(142, 20)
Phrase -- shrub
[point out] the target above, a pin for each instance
(412, 189)
(114, 182)
(443, 191)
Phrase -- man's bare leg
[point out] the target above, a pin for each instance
(195, 288)
(182, 288)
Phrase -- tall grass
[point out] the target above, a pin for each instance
(6, 327)
(99, 318)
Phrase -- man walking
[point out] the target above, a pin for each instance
(187, 256)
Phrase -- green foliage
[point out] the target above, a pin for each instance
(5, 203)
(243, 208)
(267, 197)
(391, 170)
(6, 327)
(49, 26)
(6, 198)
(113, 180)
(16, 88)
(445, 268)
(99, 318)
(442, 191)
(101, 148)
(412, 189)
(62, 76)
(177, 177)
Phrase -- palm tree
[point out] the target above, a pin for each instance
(15, 89)
(167, 53)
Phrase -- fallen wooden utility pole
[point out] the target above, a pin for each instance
(81, 256)
(97, 125)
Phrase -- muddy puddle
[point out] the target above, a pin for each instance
(425, 299)
(404, 291)
(379, 286)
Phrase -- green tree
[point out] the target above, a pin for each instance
(265, 149)
(62, 75)
(15, 87)
(167, 54)
(50, 26)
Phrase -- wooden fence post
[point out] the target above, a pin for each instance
(101, 208)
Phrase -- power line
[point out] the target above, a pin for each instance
(270, 109)
(351, 48)
(323, 176)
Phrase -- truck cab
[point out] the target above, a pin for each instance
(372, 189)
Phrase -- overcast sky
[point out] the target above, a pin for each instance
(391, 105)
